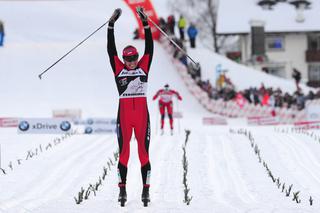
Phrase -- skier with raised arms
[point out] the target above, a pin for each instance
(131, 78)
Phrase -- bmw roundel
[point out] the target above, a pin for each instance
(24, 126)
(65, 126)
(90, 121)
(88, 130)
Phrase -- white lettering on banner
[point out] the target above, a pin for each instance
(263, 120)
(136, 1)
(67, 113)
(214, 121)
(149, 13)
(44, 126)
(9, 122)
(136, 72)
(136, 88)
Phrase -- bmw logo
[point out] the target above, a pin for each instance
(65, 126)
(88, 130)
(90, 121)
(24, 126)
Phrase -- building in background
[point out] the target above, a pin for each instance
(275, 38)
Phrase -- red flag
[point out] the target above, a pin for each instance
(151, 13)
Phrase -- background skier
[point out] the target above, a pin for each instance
(131, 77)
(165, 103)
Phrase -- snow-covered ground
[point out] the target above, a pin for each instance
(224, 174)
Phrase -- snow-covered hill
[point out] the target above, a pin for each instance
(224, 174)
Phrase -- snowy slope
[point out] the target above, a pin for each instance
(223, 176)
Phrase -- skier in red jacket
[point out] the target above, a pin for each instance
(165, 102)
(131, 77)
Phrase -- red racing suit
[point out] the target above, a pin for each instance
(165, 102)
(133, 112)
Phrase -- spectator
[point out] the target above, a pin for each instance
(1, 33)
(297, 77)
(192, 33)
(240, 100)
(265, 99)
(163, 25)
(182, 25)
(310, 95)
(300, 101)
(171, 22)
(195, 71)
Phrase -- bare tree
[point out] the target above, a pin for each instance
(203, 13)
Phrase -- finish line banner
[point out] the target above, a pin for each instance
(149, 10)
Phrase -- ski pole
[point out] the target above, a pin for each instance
(172, 41)
(116, 15)
(40, 76)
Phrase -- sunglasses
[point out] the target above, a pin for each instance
(131, 58)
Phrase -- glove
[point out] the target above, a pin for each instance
(142, 15)
(116, 14)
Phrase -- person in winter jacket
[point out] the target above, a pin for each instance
(297, 77)
(165, 103)
(131, 78)
(192, 33)
(171, 22)
(1, 33)
(182, 23)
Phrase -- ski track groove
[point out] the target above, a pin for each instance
(50, 181)
(302, 158)
(168, 179)
(234, 171)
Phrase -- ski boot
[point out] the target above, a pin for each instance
(171, 132)
(145, 197)
(122, 196)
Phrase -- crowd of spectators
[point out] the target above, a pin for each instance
(224, 88)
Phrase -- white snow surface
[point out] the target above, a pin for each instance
(224, 174)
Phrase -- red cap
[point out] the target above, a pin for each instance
(129, 51)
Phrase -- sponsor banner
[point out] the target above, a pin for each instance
(44, 126)
(307, 124)
(214, 121)
(96, 121)
(67, 113)
(150, 11)
(9, 122)
(99, 129)
(263, 120)
(313, 112)
(97, 125)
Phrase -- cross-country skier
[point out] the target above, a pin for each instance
(131, 77)
(165, 102)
